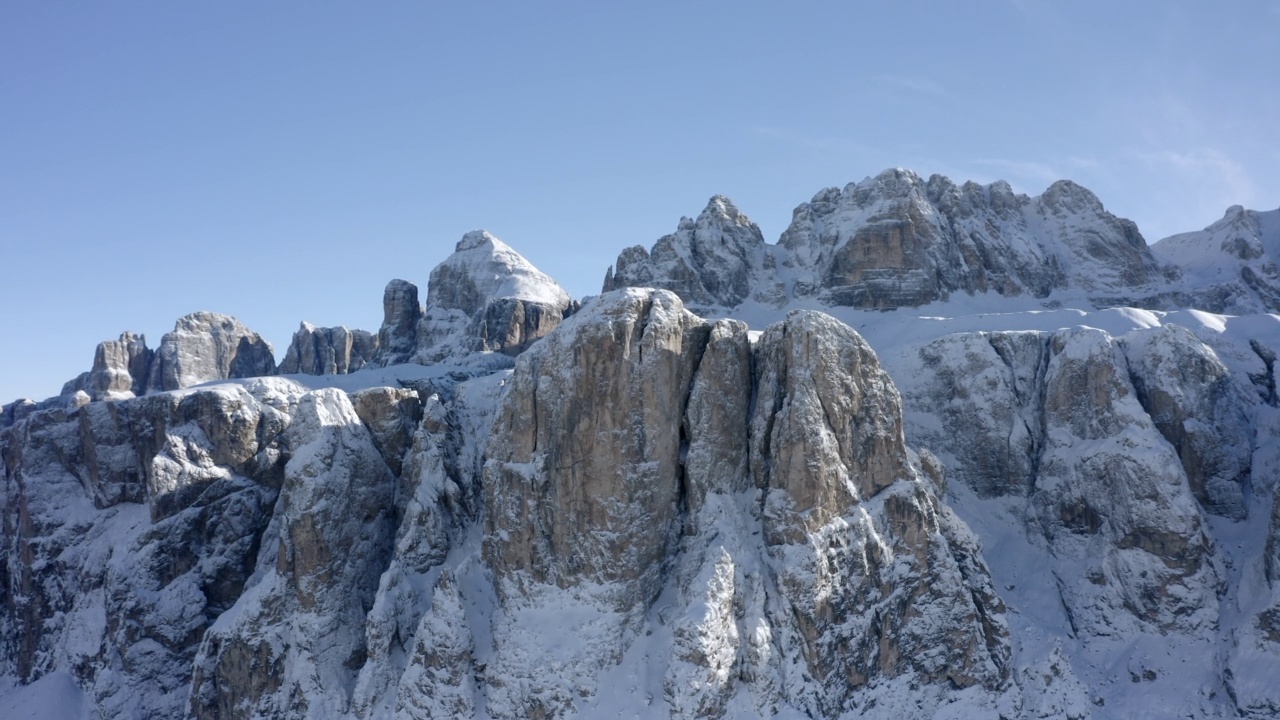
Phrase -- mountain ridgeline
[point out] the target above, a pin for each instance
(941, 451)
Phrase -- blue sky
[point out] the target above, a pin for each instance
(282, 161)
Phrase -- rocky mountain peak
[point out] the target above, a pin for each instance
(483, 269)
(1071, 197)
(716, 260)
(207, 346)
(895, 240)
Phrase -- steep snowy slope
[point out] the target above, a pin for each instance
(1229, 266)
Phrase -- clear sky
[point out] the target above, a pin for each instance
(282, 161)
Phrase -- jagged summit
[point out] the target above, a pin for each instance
(520, 506)
(484, 298)
(717, 259)
(897, 240)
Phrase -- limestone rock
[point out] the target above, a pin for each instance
(206, 346)
(1195, 404)
(717, 260)
(583, 474)
(896, 240)
(328, 351)
(398, 337)
(116, 595)
(718, 415)
(486, 297)
(302, 621)
(392, 416)
(827, 428)
(120, 369)
(841, 497)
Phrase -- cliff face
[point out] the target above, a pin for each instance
(650, 477)
(516, 505)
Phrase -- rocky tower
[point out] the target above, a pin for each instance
(208, 346)
(624, 509)
(785, 519)
(328, 351)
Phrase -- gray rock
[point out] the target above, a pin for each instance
(716, 260)
(328, 351)
(1196, 406)
(206, 346)
(486, 297)
(841, 499)
(117, 596)
(896, 240)
(292, 646)
(398, 337)
(120, 369)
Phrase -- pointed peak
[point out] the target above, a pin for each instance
(476, 239)
(720, 206)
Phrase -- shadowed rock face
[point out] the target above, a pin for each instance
(1103, 438)
(150, 511)
(712, 261)
(398, 337)
(328, 351)
(207, 346)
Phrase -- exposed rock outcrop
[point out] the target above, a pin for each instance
(398, 337)
(206, 346)
(486, 297)
(718, 260)
(292, 646)
(120, 369)
(328, 351)
(142, 520)
(794, 510)
(583, 478)
(896, 240)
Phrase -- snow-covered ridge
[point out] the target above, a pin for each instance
(897, 240)
(990, 501)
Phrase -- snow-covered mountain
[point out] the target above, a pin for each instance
(941, 451)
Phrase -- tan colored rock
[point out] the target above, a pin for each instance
(391, 415)
(328, 351)
(718, 415)
(582, 481)
(827, 427)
